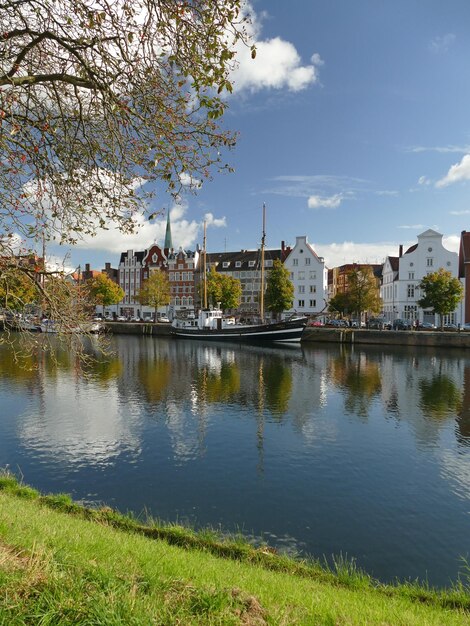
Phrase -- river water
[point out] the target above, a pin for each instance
(363, 452)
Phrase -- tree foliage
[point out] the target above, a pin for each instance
(16, 290)
(442, 292)
(279, 294)
(155, 291)
(340, 303)
(363, 292)
(104, 291)
(224, 289)
(98, 100)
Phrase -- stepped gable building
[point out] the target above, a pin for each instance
(181, 273)
(130, 280)
(309, 277)
(400, 285)
(244, 265)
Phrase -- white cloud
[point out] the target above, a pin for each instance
(277, 64)
(424, 180)
(216, 222)
(350, 252)
(457, 173)
(440, 149)
(443, 43)
(188, 181)
(465, 212)
(412, 226)
(332, 202)
(184, 233)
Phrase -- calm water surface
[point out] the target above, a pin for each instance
(321, 451)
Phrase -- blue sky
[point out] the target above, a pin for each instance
(354, 124)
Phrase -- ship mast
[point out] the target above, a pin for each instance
(204, 268)
(261, 295)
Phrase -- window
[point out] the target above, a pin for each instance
(411, 275)
(291, 276)
(301, 288)
(429, 262)
(301, 275)
(251, 263)
(268, 263)
(411, 291)
(313, 276)
(313, 289)
(307, 260)
(295, 261)
(238, 263)
(226, 264)
(313, 304)
(301, 304)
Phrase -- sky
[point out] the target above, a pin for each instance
(354, 125)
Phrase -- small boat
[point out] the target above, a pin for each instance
(211, 325)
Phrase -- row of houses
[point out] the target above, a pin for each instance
(397, 278)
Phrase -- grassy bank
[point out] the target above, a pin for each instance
(61, 563)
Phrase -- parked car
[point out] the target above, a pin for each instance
(162, 318)
(400, 324)
(450, 327)
(315, 323)
(337, 323)
(428, 326)
(121, 318)
(465, 326)
(377, 323)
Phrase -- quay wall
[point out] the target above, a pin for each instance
(410, 338)
(138, 328)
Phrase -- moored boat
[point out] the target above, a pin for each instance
(210, 325)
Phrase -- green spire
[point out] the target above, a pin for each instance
(168, 242)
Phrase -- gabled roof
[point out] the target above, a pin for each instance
(243, 257)
(412, 249)
(137, 255)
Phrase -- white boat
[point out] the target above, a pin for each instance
(211, 325)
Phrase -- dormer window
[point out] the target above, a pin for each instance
(251, 263)
(238, 263)
(226, 264)
(268, 263)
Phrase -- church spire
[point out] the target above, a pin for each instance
(168, 241)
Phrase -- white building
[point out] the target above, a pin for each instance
(401, 276)
(309, 277)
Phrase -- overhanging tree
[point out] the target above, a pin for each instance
(442, 293)
(100, 99)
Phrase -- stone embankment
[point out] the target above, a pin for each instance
(424, 338)
(138, 328)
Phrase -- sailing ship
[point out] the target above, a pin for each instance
(210, 323)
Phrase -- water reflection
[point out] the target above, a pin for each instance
(338, 448)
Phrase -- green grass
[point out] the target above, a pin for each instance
(61, 563)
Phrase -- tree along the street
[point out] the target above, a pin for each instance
(102, 103)
(442, 292)
(363, 292)
(155, 291)
(340, 303)
(104, 291)
(223, 289)
(279, 294)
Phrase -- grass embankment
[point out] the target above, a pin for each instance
(61, 563)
